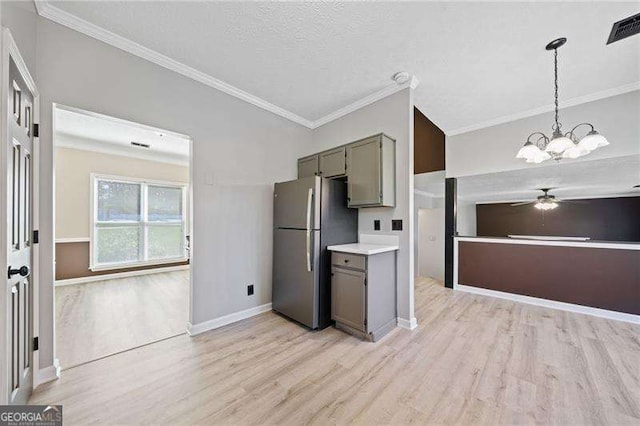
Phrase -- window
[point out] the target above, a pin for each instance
(136, 222)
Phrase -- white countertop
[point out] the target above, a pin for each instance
(621, 245)
(363, 248)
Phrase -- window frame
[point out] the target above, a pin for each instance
(143, 223)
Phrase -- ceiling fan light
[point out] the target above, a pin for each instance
(559, 144)
(592, 141)
(546, 205)
(528, 151)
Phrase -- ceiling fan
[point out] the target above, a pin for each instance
(542, 202)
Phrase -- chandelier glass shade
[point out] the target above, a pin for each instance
(539, 147)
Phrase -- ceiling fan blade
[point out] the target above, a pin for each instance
(573, 201)
(524, 203)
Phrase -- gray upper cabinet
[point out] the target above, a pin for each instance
(368, 164)
(333, 163)
(371, 172)
(308, 166)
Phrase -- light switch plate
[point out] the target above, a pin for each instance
(208, 178)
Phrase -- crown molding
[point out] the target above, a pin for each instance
(367, 100)
(426, 194)
(48, 11)
(63, 140)
(547, 108)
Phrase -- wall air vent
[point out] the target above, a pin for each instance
(140, 144)
(625, 28)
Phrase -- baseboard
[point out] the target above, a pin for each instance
(93, 278)
(570, 307)
(195, 329)
(408, 324)
(47, 374)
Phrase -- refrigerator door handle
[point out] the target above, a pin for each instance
(309, 203)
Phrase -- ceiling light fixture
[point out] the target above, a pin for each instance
(559, 146)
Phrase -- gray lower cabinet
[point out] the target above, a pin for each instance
(333, 163)
(363, 293)
(308, 166)
(371, 172)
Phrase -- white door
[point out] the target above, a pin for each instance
(20, 230)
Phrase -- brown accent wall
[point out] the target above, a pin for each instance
(597, 277)
(605, 219)
(72, 261)
(428, 139)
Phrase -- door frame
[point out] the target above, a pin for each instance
(190, 197)
(10, 51)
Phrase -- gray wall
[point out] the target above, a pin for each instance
(493, 149)
(394, 116)
(245, 148)
(430, 241)
(21, 18)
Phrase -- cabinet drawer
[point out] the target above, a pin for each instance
(348, 260)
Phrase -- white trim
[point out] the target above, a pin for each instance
(408, 324)
(46, 10)
(73, 240)
(367, 100)
(47, 374)
(116, 275)
(64, 140)
(425, 193)
(547, 108)
(570, 307)
(195, 329)
(587, 244)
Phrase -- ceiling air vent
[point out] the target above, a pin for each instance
(625, 28)
(140, 144)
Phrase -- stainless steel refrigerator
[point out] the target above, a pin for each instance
(309, 214)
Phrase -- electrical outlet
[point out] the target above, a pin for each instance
(250, 290)
(376, 225)
(396, 225)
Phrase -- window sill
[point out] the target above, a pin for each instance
(115, 266)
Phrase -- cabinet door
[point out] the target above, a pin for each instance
(364, 172)
(333, 163)
(348, 297)
(308, 166)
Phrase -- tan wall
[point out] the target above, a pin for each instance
(73, 168)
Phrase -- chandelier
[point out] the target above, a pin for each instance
(539, 147)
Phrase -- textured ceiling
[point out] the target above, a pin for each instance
(611, 176)
(93, 131)
(475, 61)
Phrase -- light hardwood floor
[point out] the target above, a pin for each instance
(105, 317)
(472, 360)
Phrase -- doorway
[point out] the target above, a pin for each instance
(122, 235)
(430, 228)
